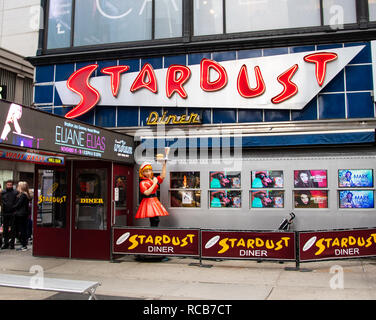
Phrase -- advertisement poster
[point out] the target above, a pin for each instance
(173, 242)
(248, 245)
(225, 199)
(356, 199)
(224, 180)
(310, 179)
(267, 199)
(311, 199)
(267, 179)
(337, 244)
(348, 178)
(57, 134)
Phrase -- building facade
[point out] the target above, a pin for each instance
(267, 108)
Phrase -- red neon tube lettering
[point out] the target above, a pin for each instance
(78, 82)
(321, 59)
(115, 72)
(205, 82)
(145, 79)
(290, 88)
(174, 83)
(243, 83)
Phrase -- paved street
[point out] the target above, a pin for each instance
(176, 279)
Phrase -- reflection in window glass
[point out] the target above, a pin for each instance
(311, 199)
(250, 15)
(52, 199)
(267, 179)
(372, 10)
(224, 180)
(91, 199)
(59, 24)
(121, 185)
(185, 198)
(110, 21)
(356, 199)
(185, 180)
(339, 12)
(208, 17)
(225, 199)
(168, 18)
(267, 199)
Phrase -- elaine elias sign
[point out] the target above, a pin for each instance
(273, 82)
(34, 129)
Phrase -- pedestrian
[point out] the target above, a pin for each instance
(22, 212)
(8, 200)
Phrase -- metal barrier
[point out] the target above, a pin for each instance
(297, 246)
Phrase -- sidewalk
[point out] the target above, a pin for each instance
(177, 280)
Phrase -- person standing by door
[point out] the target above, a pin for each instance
(8, 200)
(21, 209)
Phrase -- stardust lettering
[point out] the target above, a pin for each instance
(253, 243)
(327, 243)
(137, 240)
(178, 75)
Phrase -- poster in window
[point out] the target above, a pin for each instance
(310, 179)
(267, 179)
(225, 199)
(356, 199)
(225, 180)
(267, 199)
(348, 178)
(311, 199)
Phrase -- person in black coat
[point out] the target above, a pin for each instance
(8, 200)
(21, 209)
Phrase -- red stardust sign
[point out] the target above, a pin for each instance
(173, 242)
(248, 245)
(178, 75)
(337, 244)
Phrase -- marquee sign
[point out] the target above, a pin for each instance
(34, 129)
(273, 82)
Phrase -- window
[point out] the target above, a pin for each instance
(168, 19)
(208, 17)
(110, 21)
(52, 199)
(91, 199)
(372, 10)
(59, 24)
(250, 15)
(185, 189)
(339, 12)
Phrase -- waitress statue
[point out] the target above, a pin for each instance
(150, 207)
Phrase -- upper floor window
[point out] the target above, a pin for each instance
(111, 21)
(372, 10)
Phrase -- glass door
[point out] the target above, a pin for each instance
(51, 212)
(91, 210)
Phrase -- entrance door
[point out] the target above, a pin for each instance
(51, 214)
(123, 195)
(91, 220)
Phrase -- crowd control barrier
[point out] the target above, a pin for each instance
(290, 246)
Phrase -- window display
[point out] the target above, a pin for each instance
(310, 179)
(267, 179)
(225, 199)
(267, 199)
(185, 180)
(356, 199)
(348, 178)
(311, 199)
(225, 180)
(185, 198)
